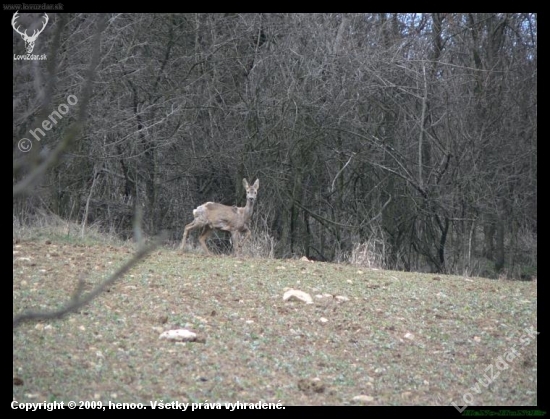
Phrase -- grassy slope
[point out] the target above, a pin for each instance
(258, 347)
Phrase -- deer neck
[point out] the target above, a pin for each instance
(247, 210)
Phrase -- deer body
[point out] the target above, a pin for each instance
(213, 216)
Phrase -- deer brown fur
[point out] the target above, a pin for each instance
(213, 216)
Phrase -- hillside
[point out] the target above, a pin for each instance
(397, 338)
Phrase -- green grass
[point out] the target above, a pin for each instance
(402, 338)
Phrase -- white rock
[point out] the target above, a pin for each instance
(297, 295)
(363, 398)
(181, 335)
(341, 298)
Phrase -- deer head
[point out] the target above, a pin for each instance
(29, 40)
(251, 191)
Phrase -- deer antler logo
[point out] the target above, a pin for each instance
(29, 40)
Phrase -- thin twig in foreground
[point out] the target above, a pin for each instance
(78, 301)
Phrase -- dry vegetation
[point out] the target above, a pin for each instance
(400, 339)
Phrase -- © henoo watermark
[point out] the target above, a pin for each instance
(29, 39)
(25, 144)
(500, 364)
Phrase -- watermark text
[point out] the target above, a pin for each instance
(39, 132)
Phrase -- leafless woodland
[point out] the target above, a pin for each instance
(400, 141)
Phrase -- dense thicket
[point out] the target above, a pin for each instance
(408, 141)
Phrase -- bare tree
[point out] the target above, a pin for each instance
(25, 185)
(438, 110)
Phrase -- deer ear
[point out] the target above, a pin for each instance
(245, 183)
(257, 183)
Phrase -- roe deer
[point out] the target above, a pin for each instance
(212, 216)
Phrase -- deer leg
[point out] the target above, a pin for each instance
(206, 232)
(235, 241)
(191, 226)
(186, 233)
(239, 244)
(247, 235)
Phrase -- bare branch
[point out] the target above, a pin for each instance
(75, 130)
(340, 171)
(77, 301)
